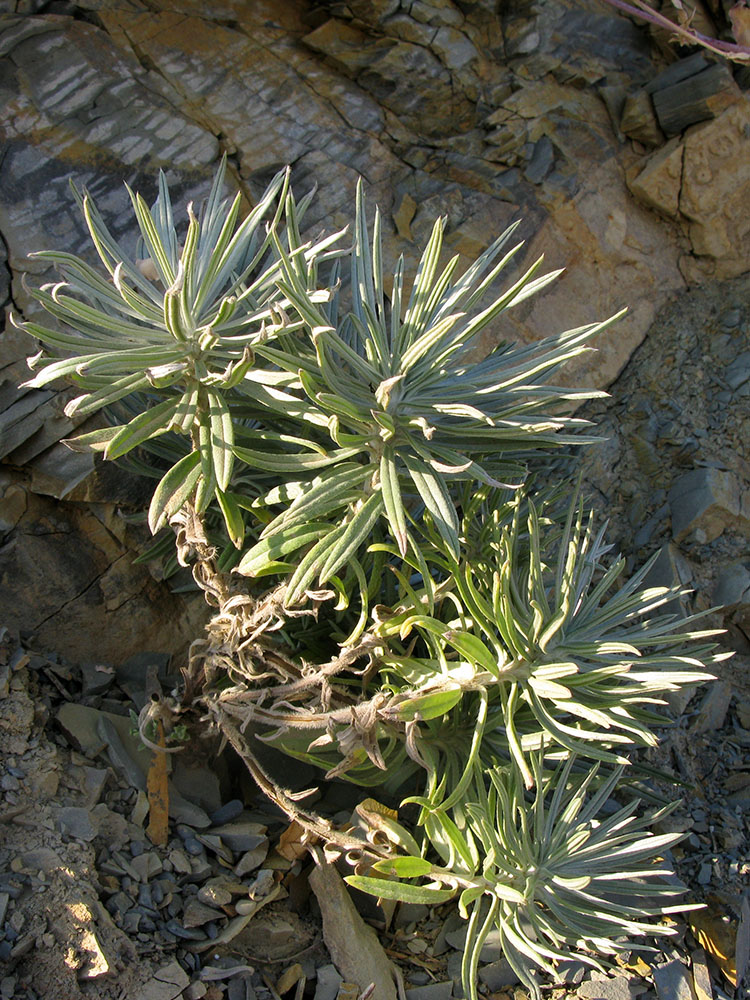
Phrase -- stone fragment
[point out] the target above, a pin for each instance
(611, 988)
(714, 708)
(328, 983)
(289, 978)
(672, 981)
(433, 991)
(74, 821)
(96, 678)
(147, 865)
(732, 590)
(701, 976)
(214, 895)
(705, 502)
(454, 48)
(657, 184)
(498, 975)
(639, 121)
(251, 860)
(241, 836)
(411, 913)
(195, 991)
(716, 189)
(228, 812)
(196, 914)
(41, 859)
(353, 946)
(167, 983)
(695, 99)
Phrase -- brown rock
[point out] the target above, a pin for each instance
(658, 183)
(716, 189)
(639, 120)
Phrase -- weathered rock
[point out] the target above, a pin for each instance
(658, 183)
(167, 983)
(638, 119)
(353, 946)
(716, 189)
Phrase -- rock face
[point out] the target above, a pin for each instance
(628, 167)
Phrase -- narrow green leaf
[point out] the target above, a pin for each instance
(151, 422)
(174, 490)
(394, 506)
(402, 891)
(403, 867)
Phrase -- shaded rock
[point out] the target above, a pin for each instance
(705, 502)
(498, 975)
(695, 98)
(638, 119)
(229, 811)
(433, 991)
(74, 821)
(196, 914)
(714, 708)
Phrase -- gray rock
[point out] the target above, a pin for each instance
(327, 984)
(240, 836)
(74, 821)
(491, 949)
(435, 991)
(498, 975)
(611, 988)
(196, 914)
(410, 913)
(672, 981)
(352, 945)
(40, 859)
(571, 971)
(714, 708)
(147, 865)
(96, 678)
(701, 976)
(228, 812)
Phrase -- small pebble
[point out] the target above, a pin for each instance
(136, 848)
(229, 811)
(193, 847)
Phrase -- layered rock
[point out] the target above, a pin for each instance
(560, 113)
